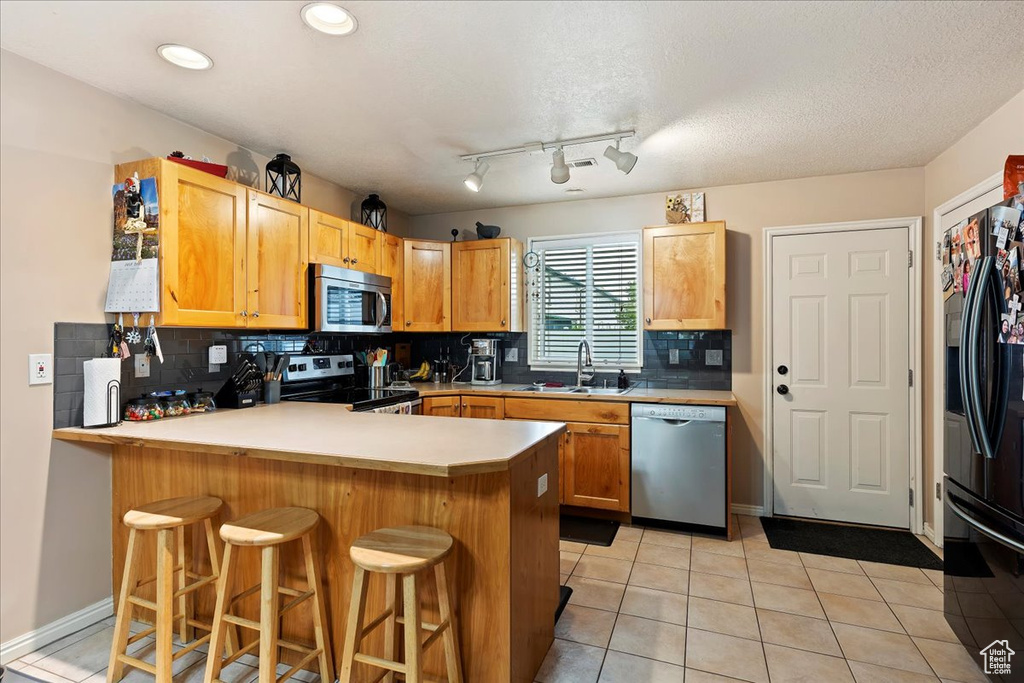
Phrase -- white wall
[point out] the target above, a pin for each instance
(59, 141)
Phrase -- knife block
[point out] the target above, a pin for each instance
(230, 397)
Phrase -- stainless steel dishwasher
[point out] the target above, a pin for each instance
(678, 468)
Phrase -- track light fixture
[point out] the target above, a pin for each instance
(475, 180)
(624, 161)
(559, 171)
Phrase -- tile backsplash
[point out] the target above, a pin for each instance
(185, 359)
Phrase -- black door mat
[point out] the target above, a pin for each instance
(564, 593)
(889, 546)
(588, 530)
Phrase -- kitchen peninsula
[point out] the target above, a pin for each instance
(479, 480)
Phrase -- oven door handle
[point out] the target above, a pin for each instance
(982, 528)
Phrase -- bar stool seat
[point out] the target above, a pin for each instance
(270, 527)
(401, 550)
(173, 512)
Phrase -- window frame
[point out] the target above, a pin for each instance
(588, 240)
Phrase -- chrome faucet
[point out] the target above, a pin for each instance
(584, 368)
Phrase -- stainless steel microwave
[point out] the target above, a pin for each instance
(351, 301)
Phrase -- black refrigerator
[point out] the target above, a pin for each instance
(983, 524)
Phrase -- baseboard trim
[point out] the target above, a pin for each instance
(929, 533)
(55, 630)
(752, 510)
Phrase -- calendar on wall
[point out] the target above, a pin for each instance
(133, 286)
(134, 283)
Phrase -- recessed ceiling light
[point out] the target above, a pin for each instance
(328, 18)
(185, 57)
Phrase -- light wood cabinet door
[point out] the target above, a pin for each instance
(390, 264)
(202, 249)
(442, 406)
(487, 407)
(278, 255)
(427, 278)
(363, 249)
(596, 466)
(684, 277)
(328, 239)
(480, 286)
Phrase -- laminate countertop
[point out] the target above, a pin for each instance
(637, 395)
(326, 434)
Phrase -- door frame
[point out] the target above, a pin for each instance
(913, 225)
(935, 531)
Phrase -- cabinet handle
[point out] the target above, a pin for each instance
(245, 313)
(256, 314)
(464, 405)
(503, 322)
(408, 322)
(345, 260)
(648, 320)
(355, 260)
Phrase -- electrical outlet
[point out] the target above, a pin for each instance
(713, 357)
(673, 356)
(141, 365)
(218, 354)
(40, 368)
(542, 484)
(512, 355)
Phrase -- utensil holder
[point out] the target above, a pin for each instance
(272, 391)
(378, 376)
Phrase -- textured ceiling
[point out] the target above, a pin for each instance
(719, 92)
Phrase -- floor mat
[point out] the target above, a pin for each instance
(588, 530)
(890, 546)
(564, 593)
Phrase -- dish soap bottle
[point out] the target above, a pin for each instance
(623, 380)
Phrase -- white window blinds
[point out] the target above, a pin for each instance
(587, 288)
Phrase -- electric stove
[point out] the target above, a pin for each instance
(331, 379)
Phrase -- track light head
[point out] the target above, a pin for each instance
(475, 180)
(624, 161)
(559, 171)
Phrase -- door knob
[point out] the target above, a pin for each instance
(783, 369)
(782, 389)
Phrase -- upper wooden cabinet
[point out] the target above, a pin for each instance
(276, 261)
(487, 286)
(426, 283)
(390, 264)
(337, 242)
(684, 277)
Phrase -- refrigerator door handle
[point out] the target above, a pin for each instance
(995, 420)
(982, 528)
(967, 359)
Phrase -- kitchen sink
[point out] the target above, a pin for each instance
(597, 391)
(550, 390)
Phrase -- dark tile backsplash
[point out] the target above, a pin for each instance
(185, 359)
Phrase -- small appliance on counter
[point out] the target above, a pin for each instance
(485, 361)
(332, 379)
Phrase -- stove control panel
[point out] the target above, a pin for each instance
(302, 368)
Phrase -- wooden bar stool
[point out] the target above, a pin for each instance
(269, 530)
(169, 518)
(401, 553)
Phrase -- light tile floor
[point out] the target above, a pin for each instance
(658, 607)
(664, 607)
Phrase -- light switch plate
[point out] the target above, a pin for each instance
(713, 357)
(673, 356)
(40, 368)
(512, 355)
(141, 365)
(542, 484)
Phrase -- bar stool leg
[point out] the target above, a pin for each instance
(269, 618)
(319, 610)
(390, 632)
(217, 636)
(211, 547)
(164, 604)
(451, 634)
(185, 630)
(413, 645)
(123, 623)
(354, 629)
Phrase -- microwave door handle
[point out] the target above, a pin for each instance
(967, 360)
(382, 309)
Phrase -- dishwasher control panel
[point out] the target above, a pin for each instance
(671, 412)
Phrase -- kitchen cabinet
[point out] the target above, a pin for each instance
(442, 406)
(426, 286)
(276, 261)
(390, 264)
(335, 241)
(595, 466)
(684, 277)
(487, 286)
(487, 407)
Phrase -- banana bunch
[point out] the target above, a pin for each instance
(423, 373)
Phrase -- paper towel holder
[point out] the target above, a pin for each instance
(113, 401)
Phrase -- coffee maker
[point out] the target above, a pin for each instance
(485, 361)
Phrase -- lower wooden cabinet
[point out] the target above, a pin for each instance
(595, 466)
(487, 407)
(442, 406)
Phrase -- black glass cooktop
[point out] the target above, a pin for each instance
(360, 399)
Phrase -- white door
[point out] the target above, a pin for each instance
(841, 347)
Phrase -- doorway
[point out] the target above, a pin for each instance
(842, 344)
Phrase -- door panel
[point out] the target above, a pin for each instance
(328, 239)
(442, 406)
(480, 275)
(427, 282)
(390, 265)
(597, 466)
(278, 255)
(362, 247)
(684, 277)
(842, 441)
(486, 407)
(203, 251)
